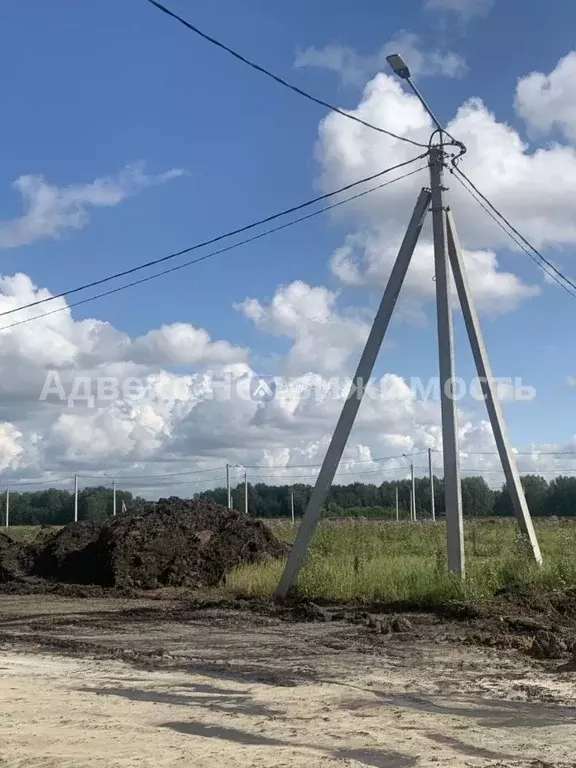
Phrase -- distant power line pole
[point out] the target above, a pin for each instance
(397, 507)
(228, 489)
(432, 501)
(7, 507)
(292, 505)
(245, 492)
(413, 493)
(114, 498)
(75, 498)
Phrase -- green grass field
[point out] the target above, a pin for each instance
(407, 562)
(23, 533)
(375, 560)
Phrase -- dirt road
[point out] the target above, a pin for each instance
(230, 688)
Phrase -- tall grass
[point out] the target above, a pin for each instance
(371, 560)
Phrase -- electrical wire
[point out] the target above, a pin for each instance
(525, 453)
(38, 482)
(538, 471)
(206, 256)
(225, 236)
(348, 461)
(520, 240)
(253, 467)
(278, 79)
(171, 474)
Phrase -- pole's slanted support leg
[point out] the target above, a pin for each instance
(352, 404)
(452, 487)
(492, 403)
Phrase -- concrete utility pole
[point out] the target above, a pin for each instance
(452, 487)
(245, 492)
(75, 498)
(352, 404)
(413, 491)
(229, 490)
(114, 498)
(7, 507)
(397, 507)
(292, 505)
(442, 227)
(432, 500)
(490, 395)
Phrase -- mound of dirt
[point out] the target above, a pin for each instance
(64, 556)
(13, 560)
(171, 542)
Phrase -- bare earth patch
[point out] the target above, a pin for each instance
(144, 684)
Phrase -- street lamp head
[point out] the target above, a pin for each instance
(398, 65)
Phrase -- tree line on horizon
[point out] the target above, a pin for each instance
(545, 498)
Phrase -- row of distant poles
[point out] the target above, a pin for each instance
(76, 491)
(412, 501)
(229, 467)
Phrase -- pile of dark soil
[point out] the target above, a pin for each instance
(171, 542)
(13, 560)
(64, 555)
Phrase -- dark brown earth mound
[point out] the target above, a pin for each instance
(171, 542)
(63, 556)
(13, 560)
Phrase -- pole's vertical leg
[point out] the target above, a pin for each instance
(350, 409)
(452, 488)
(492, 403)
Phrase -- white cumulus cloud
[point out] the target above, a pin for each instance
(549, 101)
(354, 68)
(50, 210)
(322, 338)
(534, 188)
(465, 9)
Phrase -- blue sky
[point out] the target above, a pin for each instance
(95, 86)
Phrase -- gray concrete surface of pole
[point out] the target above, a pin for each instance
(452, 487)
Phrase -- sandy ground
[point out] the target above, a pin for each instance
(229, 689)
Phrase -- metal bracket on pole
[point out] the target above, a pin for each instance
(352, 404)
(492, 403)
(452, 487)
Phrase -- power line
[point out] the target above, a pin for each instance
(540, 471)
(342, 474)
(520, 240)
(38, 482)
(348, 461)
(281, 80)
(146, 477)
(208, 255)
(525, 453)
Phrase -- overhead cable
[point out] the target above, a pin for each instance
(208, 255)
(224, 236)
(543, 263)
(281, 80)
